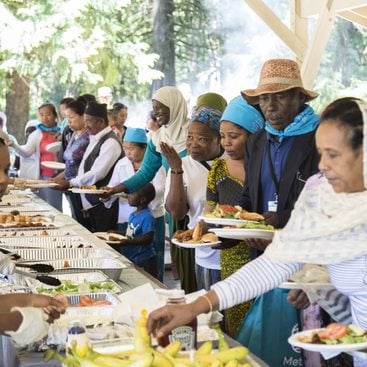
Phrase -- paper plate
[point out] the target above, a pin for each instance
(76, 190)
(223, 221)
(194, 245)
(243, 233)
(41, 185)
(54, 147)
(54, 165)
(295, 285)
(105, 235)
(294, 340)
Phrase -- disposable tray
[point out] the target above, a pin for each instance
(26, 208)
(49, 242)
(40, 233)
(38, 287)
(64, 253)
(110, 297)
(111, 267)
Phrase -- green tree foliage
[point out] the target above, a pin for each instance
(343, 71)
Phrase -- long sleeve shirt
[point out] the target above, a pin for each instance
(152, 162)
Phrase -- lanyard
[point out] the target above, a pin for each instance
(206, 165)
(272, 172)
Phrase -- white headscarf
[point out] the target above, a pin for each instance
(325, 227)
(175, 132)
(31, 123)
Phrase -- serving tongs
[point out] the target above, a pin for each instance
(12, 254)
(39, 268)
(46, 279)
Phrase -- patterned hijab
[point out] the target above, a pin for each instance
(175, 132)
(325, 227)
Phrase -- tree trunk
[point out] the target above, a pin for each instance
(163, 42)
(17, 106)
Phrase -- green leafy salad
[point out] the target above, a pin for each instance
(256, 225)
(70, 287)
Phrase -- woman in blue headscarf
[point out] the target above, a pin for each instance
(225, 184)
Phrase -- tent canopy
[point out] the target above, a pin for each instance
(308, 50)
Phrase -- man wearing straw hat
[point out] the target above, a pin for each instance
(279, 160)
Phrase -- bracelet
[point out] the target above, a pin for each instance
(177, 172)
(209, 302)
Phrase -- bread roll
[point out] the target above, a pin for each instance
(198, 231)
(245, 215)
(209, 237)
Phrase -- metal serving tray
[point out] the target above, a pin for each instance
(49, 242)
(40, 233)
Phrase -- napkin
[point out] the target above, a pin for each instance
(135, 300)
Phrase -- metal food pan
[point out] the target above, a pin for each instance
(74, 299)
(111, 267)
(29, 254)
(48, 242)
(43, 233)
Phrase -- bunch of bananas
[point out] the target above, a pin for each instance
(143, 355)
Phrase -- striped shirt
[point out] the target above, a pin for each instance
(261, 275)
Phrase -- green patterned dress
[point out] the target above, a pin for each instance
(225, 189)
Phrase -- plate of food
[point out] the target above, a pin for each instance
(227, 215)
(53, 165)
(112, 238)
(334, 338)
(246, 230)
(41, 185)
(91, 189)
(311, 275)
(54, 147)
(195, 237)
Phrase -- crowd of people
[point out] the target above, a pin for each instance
(266, 150)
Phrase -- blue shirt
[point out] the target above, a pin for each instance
(278, 153)
(140, 223)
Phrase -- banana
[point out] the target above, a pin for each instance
(232, 363)
(142, 341)
(222, 344)
(217, 364)
(144, 361)
(205, 349)
(110, 361)
(160, 360)
(224, 356)
(173, 348)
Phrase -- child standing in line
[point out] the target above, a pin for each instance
(138, 247)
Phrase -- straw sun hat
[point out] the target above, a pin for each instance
(278, 75)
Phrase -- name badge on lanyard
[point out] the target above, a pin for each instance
(273, 205)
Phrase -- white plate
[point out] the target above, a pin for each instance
(54, 147)
(223, 221)
(41, 185)
(54, 165)
(243, 233)
(295, 285)
(76, 190)
(104, 237)
(293, 340)
(194, 245)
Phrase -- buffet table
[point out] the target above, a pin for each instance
(130, 278)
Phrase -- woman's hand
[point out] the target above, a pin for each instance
(112, 190)
(63, 184)
(258, 243)
(162, 321)
(298, 298)
(173, 159)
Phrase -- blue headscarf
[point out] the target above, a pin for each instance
(208, 116)
(47, 129)
(243, 114)
(303, 123)
(136, 135)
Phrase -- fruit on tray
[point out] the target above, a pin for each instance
(143, 355)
